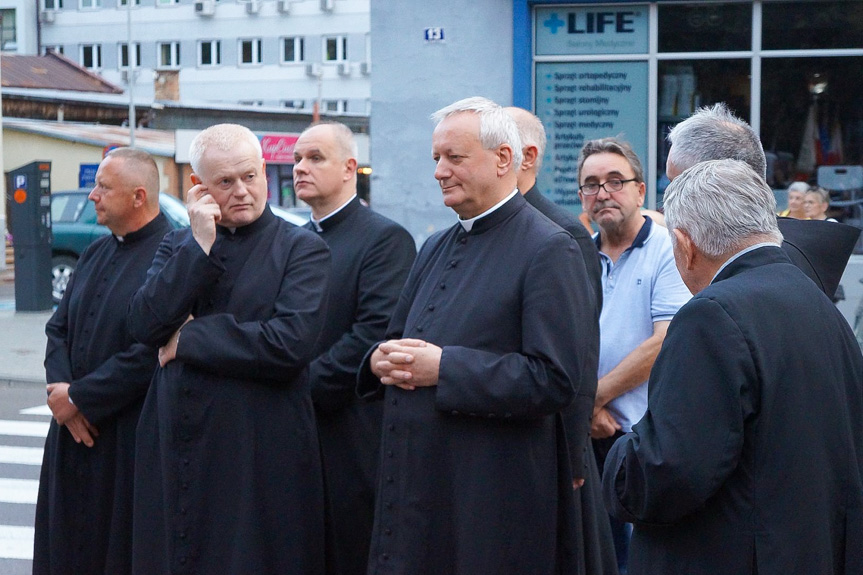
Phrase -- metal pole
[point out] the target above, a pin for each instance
(131, 61)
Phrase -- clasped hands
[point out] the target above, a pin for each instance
(67, 414)
(407, 363)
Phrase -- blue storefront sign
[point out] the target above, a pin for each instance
(87, 175)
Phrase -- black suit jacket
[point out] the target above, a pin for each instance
(750, 456)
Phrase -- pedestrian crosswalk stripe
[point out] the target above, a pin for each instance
(18, 490)
(24, 428)
(38, 410)
(16, 542)
(21, 455)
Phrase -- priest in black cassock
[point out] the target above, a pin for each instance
(98, 377)
(228, 477)
(475, 474)
(371, 256)
(594, 541)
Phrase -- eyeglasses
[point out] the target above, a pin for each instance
(610, 186)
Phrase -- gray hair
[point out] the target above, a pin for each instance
(142, 171)
(798, 187)
(496, 127)
(611, 146)
(721, 204)
(223, 137)
(530, 131)
(345, 141)
(714, 133)
(823, 195)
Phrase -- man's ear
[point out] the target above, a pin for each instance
(504, 159)
(350, 169)
(529, 155)
(140, 196)
(195, 179)
(686, 248)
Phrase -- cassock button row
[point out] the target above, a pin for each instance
(452, 263)
(431, 307)
(391, 427)
(185, 485)
(395, 401)
(388, 505)
(182, 560)
(454, 412)
(442, 285)
(186, 461)
(182, 534)
(390, 453)
(462, 240)
(420, 328)
(390, 479)
(388, 531)
(385, 556)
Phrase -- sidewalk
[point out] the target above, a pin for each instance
(22, 338)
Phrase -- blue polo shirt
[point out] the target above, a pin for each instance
(643, 287)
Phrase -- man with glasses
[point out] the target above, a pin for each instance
(642, 290)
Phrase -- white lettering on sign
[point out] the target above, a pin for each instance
(434, 35)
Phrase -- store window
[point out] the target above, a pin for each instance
(703, 27)
(812, 25)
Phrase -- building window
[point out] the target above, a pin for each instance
(53, 4)
(7, 29)
(209, 53)
(57, 49)
(337, 106)
(256, 103)
(335, 48)
(91, 56)
(250, 51)
(89, 4)
(168, 55)
(122, 3)
(293, 49)
(123, 55)
(166, 2)
(294, 104)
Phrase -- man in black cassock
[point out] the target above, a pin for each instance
(595, 545)
(749, 458)
(371, 256)
(98, 377)
(475, 474)
(229, 474)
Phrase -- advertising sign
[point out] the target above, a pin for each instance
(580, 101)
(581, 30)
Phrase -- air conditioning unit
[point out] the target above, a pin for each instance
(284, 6)
(46, 16)
(328, 5)
(313, 70)
(253, 7)
(365, 68)
(344, 69)
(205, 7)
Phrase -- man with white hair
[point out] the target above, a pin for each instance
(747, 461)
(228, 472)
(483, 354)
(820, 250)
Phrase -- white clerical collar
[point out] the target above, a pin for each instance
(317, 223)
(742, 253)
(468, 224)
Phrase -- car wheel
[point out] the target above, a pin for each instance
(61, 269)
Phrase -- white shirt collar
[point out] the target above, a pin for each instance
(468, 224)
(317, 223)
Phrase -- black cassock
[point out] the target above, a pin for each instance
(371, 257)
(594, 544)
(84, 509)
(228, 478)
(475, 474)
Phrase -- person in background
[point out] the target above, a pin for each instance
(718, 475)
(98, 377)
(595, 544)
(815, 204)
(642, 292)
(228, 476)
(796, 193)
(371, 257)
(820, 249)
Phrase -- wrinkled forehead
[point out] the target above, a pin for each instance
(217, 162)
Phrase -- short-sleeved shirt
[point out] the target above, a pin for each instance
(643, 287)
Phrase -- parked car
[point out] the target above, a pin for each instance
(74, 227)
